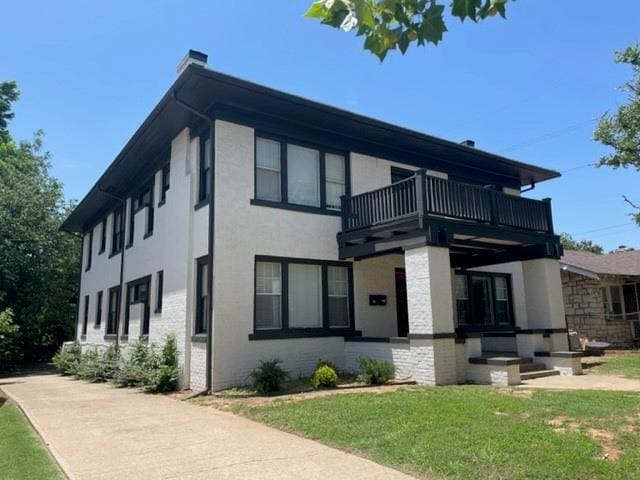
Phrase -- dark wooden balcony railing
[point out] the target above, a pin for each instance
(435, 197)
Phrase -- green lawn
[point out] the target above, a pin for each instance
(474, 432)
(22, 456)
(627, 364)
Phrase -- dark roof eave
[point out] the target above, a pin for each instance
(90, 204)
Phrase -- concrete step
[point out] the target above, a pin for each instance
(531, 367)
(538, 374)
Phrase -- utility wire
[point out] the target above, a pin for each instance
(549, 135)
(604, 228)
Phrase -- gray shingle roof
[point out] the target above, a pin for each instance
(620, 263)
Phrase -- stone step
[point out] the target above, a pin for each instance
(538, 374)
(531, 367)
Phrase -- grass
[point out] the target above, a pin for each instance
(22, 455)
(626, 364)
(472, 432)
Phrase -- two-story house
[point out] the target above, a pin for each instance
(255, 224)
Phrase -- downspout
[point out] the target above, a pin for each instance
(531, 186)
(210, 231)
(123, 204)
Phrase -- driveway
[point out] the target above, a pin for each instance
(97, 431)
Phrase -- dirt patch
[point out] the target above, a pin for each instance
(605, 439)
(515, 393)
(224, 401)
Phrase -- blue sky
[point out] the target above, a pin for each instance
(529, 87)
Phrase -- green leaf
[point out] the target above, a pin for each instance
(433, 26)
(466, 8)
(364, 15)
(317, 10)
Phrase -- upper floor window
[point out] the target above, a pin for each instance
(89, 250)
(117, 234)
(204, 178)
(164, 186)
(298, 175)
(103, 236)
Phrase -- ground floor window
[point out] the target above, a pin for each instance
(138, 293)
(202, 295)
(483, 298)
(113, 311)
(621, 302)
(299, 296)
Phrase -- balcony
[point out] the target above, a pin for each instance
(443, 212)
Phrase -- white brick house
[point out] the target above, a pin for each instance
(304, 232)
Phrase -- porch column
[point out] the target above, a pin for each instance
(545, 305)
(430, 308)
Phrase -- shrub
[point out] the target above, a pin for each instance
(373, 372)
(324, 376)
(131, 371)
(97, 366)
(67, 360)
(10, 351)
(329, 364)
(161, 374)
(268, 377)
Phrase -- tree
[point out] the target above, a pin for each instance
(38, 262)
(621, 129)
(390, 24)
(8, 95)
(569, 243)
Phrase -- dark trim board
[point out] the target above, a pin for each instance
(294, 207)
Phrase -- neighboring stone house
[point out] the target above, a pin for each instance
(602, 295)
(255, 224)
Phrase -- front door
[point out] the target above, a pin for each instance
(402, 311)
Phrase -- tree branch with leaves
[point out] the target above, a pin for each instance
(396, 24)
(621, 130)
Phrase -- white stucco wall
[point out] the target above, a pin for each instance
(376, 276)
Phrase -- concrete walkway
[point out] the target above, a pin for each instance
(584, 382)
(102, 432)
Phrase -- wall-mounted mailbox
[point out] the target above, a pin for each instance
(377, 300)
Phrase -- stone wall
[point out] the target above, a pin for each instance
(585, 312)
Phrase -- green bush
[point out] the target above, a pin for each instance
(96, 366)
(329, 364)
(161, 374)
(67, 360)
(324, 376)
(374, 372)
(268, 377)
(10, 351)
(131, 371)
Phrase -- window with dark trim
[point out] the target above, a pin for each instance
(132, 222)
(621, 302)
(103, 236)
(98, 320)
(398, 174)
(85, 317)
(299, 297)
(202, 295)
(159, 290)
(144, 199)
(483, 299)
(166, 183)
(89, 251)
(113, 311)
(299, 176)
(138, 293)
(204, 180)
(117, 234)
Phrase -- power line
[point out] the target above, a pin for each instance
(604, 228)
(549, 135)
